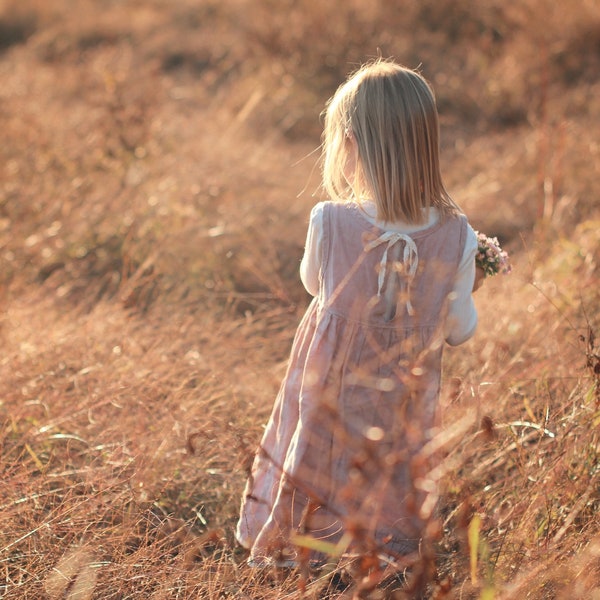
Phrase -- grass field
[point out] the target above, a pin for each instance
(158, 164)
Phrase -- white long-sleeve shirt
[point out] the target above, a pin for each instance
(462, 315)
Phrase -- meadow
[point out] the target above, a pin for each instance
(158, 164)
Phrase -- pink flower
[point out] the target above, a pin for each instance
(490, 257)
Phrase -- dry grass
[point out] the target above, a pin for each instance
(153, 157)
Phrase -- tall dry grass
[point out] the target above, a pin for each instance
(157, 172)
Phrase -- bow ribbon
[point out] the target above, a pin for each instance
(410, 259)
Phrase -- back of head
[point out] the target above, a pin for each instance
(386, 113)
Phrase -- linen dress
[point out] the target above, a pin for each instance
(341, 460)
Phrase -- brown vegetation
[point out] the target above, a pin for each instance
(158, 168)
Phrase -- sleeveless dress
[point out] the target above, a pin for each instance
(342, 458)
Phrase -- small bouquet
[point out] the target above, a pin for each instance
(490, 257)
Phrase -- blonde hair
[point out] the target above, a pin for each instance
(390, 113)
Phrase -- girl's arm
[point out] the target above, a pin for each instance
(462, 315)
(310, 267)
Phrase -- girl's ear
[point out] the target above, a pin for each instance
(351, 155)
(352, 144)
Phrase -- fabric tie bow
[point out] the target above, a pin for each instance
(410, 259)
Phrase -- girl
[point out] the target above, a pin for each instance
(390, 262)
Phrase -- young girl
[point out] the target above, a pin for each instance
(390, 262)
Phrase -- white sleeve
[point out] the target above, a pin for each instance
(462, 315)
(310, 267)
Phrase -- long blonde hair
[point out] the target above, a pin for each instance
(390, 113)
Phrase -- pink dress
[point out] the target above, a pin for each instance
(341, 458)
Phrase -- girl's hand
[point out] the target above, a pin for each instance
(479, 277)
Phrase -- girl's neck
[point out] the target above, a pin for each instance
(369, 210)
